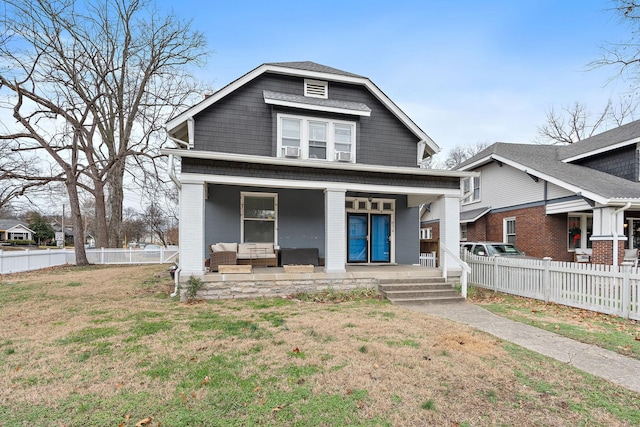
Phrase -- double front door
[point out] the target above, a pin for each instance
(369, 237)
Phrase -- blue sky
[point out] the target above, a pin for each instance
(464, 71)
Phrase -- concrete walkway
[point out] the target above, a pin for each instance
(606, 364)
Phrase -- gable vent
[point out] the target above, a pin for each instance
(316, 89)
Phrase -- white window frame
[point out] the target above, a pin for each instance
(471, 182)
(304, 136)
(464, 230)
(505, 230)
(274, 196)
(584, 228)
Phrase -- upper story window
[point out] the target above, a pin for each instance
(471, 188)
(309, 138)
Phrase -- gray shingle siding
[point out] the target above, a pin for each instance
(217, 167)
(243, 123)
(622, 163)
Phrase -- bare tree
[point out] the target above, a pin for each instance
(576, 122)
(90, 84)
(624, 56)
(456, 156)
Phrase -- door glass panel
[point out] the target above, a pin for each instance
(380, 232)
(357, 239)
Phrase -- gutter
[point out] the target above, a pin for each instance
(172, 168)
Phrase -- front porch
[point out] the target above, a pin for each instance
(275, 282)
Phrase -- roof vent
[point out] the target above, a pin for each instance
(316, 89)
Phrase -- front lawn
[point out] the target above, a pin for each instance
(106, 346)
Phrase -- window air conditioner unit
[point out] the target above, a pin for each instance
(291, 151)
(343, 156)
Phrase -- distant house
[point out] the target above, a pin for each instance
(12, 229)
(301, 155)
(555, 201)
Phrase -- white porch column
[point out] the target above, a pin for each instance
(449, 231)
(192, 250)
(335, 231)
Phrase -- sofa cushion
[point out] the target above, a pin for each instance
(224, 247)
(255, 250)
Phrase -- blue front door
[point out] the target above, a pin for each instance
(369, 237)
(380, 238)
(358, 226)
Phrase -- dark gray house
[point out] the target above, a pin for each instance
(302, 155)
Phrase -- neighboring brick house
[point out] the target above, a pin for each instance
(556, 201)
(306, 156)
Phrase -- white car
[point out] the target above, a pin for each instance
(492, 249)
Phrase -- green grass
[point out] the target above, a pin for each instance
(275, 362)
(609, 332)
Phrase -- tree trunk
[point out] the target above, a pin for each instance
(76, 218)
(115, 203)
(101, 231)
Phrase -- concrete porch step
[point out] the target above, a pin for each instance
(425, 293)
(429, 300)
(391, 287)
(418, 290)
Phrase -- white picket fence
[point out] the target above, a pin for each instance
(603, 288)
(428, 259)
(28, 260)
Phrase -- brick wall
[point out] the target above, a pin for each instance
(537, 234)
(603, 252)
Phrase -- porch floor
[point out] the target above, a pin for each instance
(319, 274)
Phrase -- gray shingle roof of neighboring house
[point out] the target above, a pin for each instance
(312, 66)
(628, 132)
(474, 214)
(6, 224)
(547, 160)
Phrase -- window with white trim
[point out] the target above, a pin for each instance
(579, 230)
(463, 231)
(471, 188)
(259, 217)
(510, 230)
(312, 138)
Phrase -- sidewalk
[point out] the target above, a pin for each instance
(606, 364)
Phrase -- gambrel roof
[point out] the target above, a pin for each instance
(178, 127)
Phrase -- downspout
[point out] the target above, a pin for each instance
(176, 181)
(615, 231)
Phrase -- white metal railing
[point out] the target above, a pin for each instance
(35, 259)
(428, 259)
(465, 267)
(603, 288)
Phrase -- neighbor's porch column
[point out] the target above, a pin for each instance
(192, 246)
(335, 231)
(608, 239)
(450, 231)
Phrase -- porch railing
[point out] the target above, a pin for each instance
(466, 270)
(428, 259)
